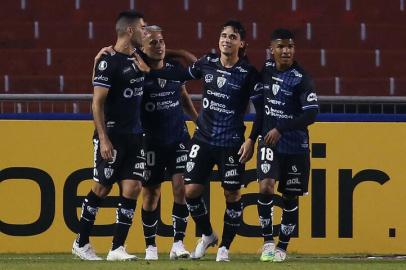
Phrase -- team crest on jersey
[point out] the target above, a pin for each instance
(265, 167)
(102, 65)
(189, 166)
(108, 172)
(208, 78)
(221, 81)
(161, 82)
(275, 89)
(294, 169)
(147, 175)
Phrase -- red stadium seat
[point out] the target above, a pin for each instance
(394, 63)
(17, 35)
(101, 10)
(400, 86)
(378, 11)
(163, 12)
(325, 86)
(364, 87)
(386, 36)
(72, 62)
(51, 10)
(78, 85)
(22, 62)
(34, 84)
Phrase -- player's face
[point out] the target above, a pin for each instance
(230, 41)
(283, 51)
(138, 32)
(154, 45)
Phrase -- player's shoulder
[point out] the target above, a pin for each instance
(211, 58)
(244, 66)
(270, 63)
(107, 61)
(298, 71)
(171, 63)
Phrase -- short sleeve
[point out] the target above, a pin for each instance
(308, 96)
(103, 73)
(195, 70)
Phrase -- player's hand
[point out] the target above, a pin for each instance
(106, 149)
(104, 51)
(139, 62)
(246, 151)
(272, 137)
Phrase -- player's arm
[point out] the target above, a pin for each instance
(179, 73)
(187, 104)
(310, 108)
(103, 51)
(99, 98)
(187, 56)
(256, 97)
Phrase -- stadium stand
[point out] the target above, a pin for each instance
(48, 46)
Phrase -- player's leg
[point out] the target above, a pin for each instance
(294, 183)
(155, 157)
(103, 174)
(268, 169)
(150, 217)
(180, 213)
(198, 169)
(231, 172)
(132, 173)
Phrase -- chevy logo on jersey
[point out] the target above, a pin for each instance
(161, 82)
(221, 81)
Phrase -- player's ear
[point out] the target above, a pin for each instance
(242, 44)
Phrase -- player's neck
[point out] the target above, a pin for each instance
(282, 67)
(228, 61)
(124, 46)
(156, 64)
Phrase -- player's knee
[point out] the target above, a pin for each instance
(178, 191)
(290, 201)
(232, 195)
(150, 198)
(100, 190)
(267, 186)
(132, 190)
(193, 191)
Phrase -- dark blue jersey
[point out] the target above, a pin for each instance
(162, 115)
(225, 99)
(122, 108)
(287, 95)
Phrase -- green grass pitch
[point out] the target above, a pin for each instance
(238, 262)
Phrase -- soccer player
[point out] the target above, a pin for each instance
(229, 81)
(167, 145)
(119, 156)
(289, 106)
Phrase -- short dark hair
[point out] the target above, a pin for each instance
(282, 33)
(237, 26)
(125, 18)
